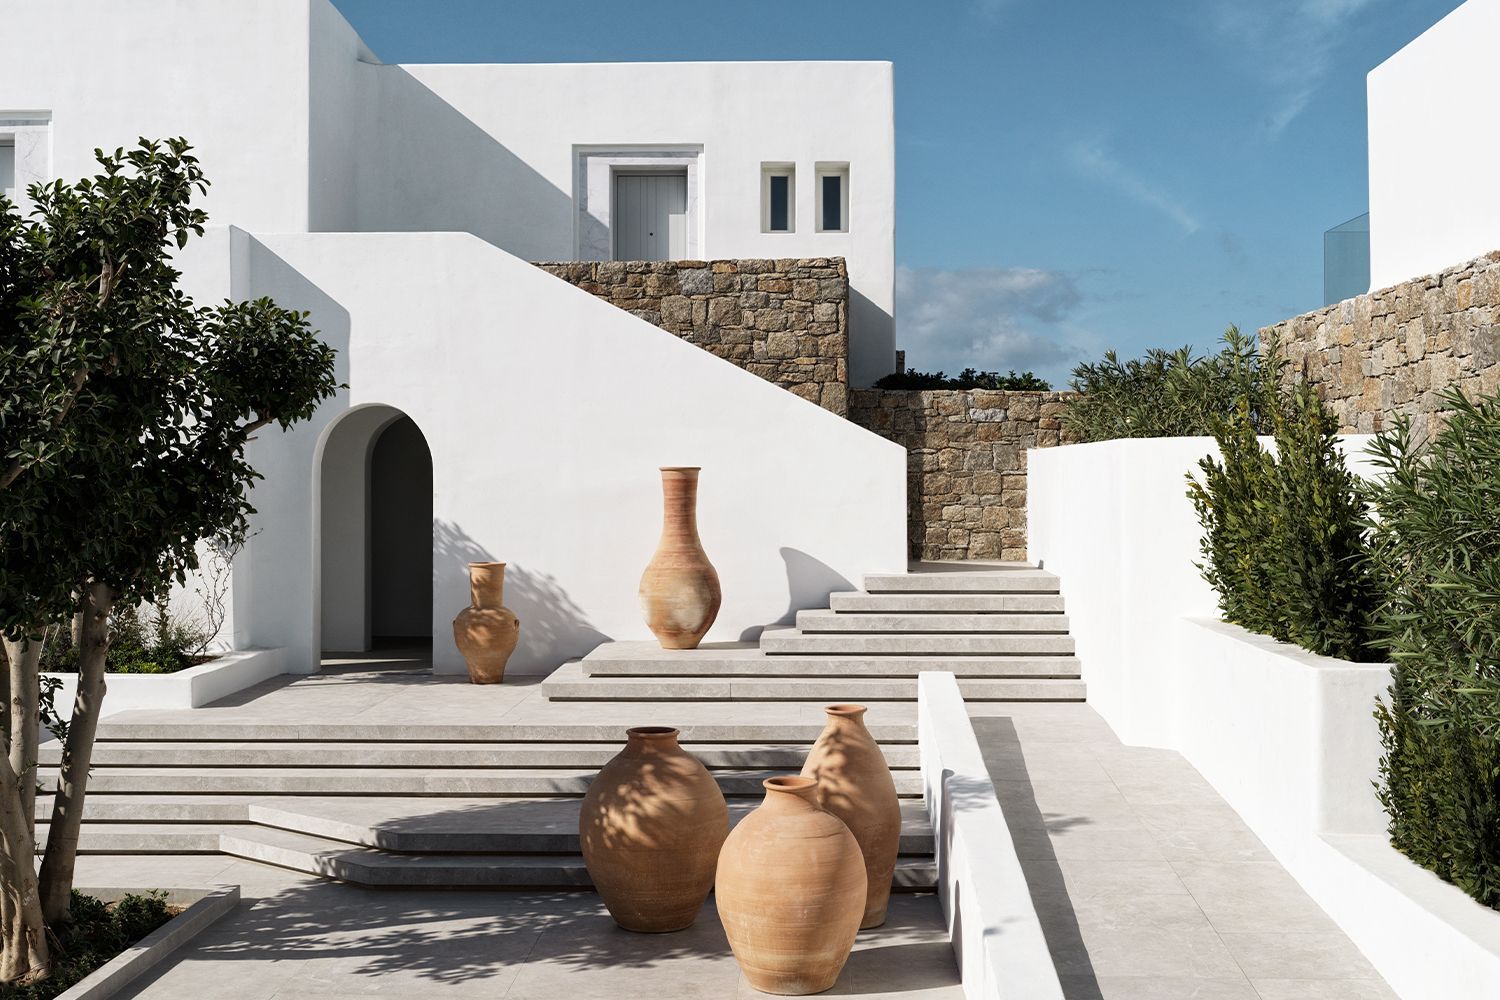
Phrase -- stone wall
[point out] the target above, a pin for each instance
(1395, 350)
(966, 463)
(784, 320)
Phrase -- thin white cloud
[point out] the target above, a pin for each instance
(1288, 44)
(992, 319)
(1095, 160)
(991, 10)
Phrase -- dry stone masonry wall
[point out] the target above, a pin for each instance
(785, 320)
(1395, 350)
(966, 463)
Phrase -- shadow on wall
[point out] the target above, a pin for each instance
(427, 167)
(553, 627)
(809, 581)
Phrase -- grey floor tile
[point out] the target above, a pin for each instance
(1323, 989)
(1298, 956)
(1252, 897)
(1156, 988)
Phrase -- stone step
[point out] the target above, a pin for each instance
(657, 662)
(376, 781)
(859, 601)
(148, 838)
(989, 581)
(823, 621)
(601, 732)
(567, 683)
(761, 756)
(483, 826)
(157, 809)
(368, 866)
(792, 641)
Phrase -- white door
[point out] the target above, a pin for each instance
(650, 216)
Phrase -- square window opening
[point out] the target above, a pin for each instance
(833, 198)
(778, 197)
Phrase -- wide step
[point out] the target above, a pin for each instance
(649, 660)
(796, 642)
(858, 602)
(1000, 624)
(1017, 580)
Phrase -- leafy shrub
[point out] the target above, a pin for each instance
(1436, 547)
(97, 933)
(1170, 393)
(1284, 535)
(154, 643)
(966, 379)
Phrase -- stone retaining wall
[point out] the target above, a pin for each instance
(966, 463)
(1395, 350)
(785, 320)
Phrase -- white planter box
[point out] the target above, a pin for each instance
(190, 688)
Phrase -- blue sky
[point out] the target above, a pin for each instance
(1072, 175)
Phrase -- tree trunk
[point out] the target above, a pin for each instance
(23, 693)
(91, 636)
(23, 932)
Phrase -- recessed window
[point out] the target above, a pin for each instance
(833, 197)
(8, 169)
(778, 198)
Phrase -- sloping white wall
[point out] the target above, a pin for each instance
(1433, 198)
(548, 412)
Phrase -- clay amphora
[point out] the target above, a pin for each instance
(855, 784)
(486, 632)
(790, 891)
(651, 827)
(680, 589)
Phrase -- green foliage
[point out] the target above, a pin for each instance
(97, 933)
(966, 379)
(1170, 393)
(151, 643)
(1284, 534)
(1436, 546)
(124, 407)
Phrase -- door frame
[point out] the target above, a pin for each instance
(615, 174)
(594, 168)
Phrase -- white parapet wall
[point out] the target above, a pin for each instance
(997, 939)
(191, 688)
(1288, 738)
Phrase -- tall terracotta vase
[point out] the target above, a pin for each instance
(486, 632)
(680, 589)
(855, 784)
(790, 891)
(651, 827)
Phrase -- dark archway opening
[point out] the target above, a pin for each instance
(400, 537)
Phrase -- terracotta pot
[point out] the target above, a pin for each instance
(651, 826)
(680, 589)
(790, 891)
(485, 631)
(855, 784)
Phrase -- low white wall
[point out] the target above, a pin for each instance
(548, 413)
(1286, 737)
(997, 939)
(190, 688)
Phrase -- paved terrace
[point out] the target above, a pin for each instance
(1149, 887)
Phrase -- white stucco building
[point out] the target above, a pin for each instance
(1433, 200)
(401, 206)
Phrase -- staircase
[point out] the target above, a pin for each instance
(999, 627)
(429, 802)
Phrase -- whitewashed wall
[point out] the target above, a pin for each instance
(548, 413)
(1433, 200)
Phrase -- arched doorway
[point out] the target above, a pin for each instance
(375, 538)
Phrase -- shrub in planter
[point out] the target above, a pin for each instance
(966, 379)
(1284, 534)
(1170, 393)
(1436, 547)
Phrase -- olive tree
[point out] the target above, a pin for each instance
(125, 411)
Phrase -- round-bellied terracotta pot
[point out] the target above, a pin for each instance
(791, 891)
(680, 592)
(486, 631)
(651, 826)
(855, 784)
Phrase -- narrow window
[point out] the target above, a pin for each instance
(778, 195)
(8, 169)
(833, 198)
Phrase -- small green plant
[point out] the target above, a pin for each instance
(966, 379)
(1436, 548)
(1284, 534)
(1170, 393)
(96, 933)
(151, 642)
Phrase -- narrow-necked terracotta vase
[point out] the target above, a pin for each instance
(651, 827)
(855, 784)
(790, 891)
(486, 631)
(680, 589)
